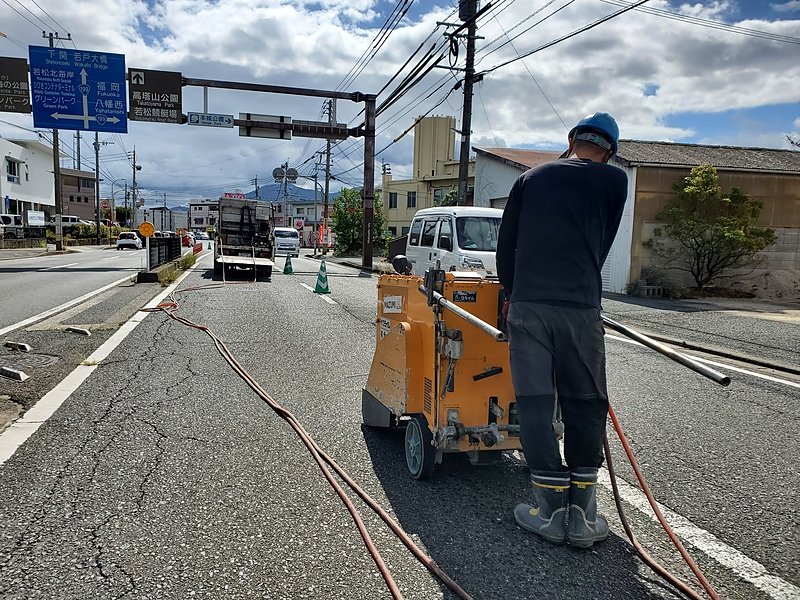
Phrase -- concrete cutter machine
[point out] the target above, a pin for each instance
(441, 360)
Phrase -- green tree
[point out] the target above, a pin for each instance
(348, 222)
(707, 232)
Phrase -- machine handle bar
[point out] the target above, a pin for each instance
(469, 317)
(686, 361)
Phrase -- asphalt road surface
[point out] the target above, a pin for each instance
(29, 286)
(164, 476)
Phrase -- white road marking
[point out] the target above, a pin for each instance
(323, 296)
(743, 566)
(113, 257)
(52, 311)
(722, 365)
(19, 431)
(57, 267)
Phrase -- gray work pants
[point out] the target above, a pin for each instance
(559, 351)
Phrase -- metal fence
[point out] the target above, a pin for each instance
(163, 250)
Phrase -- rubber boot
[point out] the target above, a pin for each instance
(585, 526)
(548, 518)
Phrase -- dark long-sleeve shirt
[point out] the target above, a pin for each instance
(558, 226)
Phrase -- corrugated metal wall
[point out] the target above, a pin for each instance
(618, 263)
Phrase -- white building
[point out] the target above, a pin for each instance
(203, 214)
(27, 178)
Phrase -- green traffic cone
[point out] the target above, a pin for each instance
(287, 268)
(322, 280)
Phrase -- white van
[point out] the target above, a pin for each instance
(463, 238)
(11, 226)
(287, 241)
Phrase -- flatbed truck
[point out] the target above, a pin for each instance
(244, 239)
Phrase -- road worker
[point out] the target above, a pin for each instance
(557, 229)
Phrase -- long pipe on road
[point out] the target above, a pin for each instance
(686, 361)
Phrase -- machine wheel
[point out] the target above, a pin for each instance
(420, 453)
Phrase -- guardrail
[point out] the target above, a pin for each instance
(164, 250)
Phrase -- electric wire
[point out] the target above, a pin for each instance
(488, 44)
(38, 28)
(567, 36)
(709, 23)
(34, 15)
(524, 31)
(325, 463)
(13, 40)
(59, 25)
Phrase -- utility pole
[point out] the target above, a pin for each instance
(77, 162)
(97, 185)
(331, 121)
(134, 189)
(467, 12)
(52, 37)
(127, 220)
(255, 184)
(369, 179)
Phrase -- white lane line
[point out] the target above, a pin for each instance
(721, 365)
(57, 267)
(323, 296)
(113, 257)
(706, 542)
(52, 311)
(18, 432)
(743, 566)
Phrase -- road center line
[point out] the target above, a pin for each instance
(52, 311)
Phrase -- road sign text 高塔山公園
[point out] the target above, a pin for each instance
(155, 96)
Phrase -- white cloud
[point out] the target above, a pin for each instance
(789, 6)
(696, 70)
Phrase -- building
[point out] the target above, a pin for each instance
(77, 193)
(27, 182)
(203, 215)
(496, 170)
(434, 175)
(771, 176)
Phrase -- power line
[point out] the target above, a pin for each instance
(64, 29)
(567, 36)
(660, 12)
(38, 28)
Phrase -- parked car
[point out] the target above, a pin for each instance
(128, 239)
(188, 239)
(201, 236)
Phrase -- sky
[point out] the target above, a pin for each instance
(720, 72)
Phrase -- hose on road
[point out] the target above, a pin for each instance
(170, 307)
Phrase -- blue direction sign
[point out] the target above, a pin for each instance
(78, 89)
(209, 119)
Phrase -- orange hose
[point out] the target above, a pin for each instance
(654, 505)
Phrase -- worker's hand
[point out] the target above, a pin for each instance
(504, 310)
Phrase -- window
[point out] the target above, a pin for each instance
(12, 171)
(86, 199)
(199, 208)
(478, 233)
(392, 199)
(301, 211)
(428, 233)
(438, 196)
(411, 199)
(413, 238)
(72, 198)
(404, 231)
(446, 230)
(393, 231)
(86, 183)
(198, 221)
